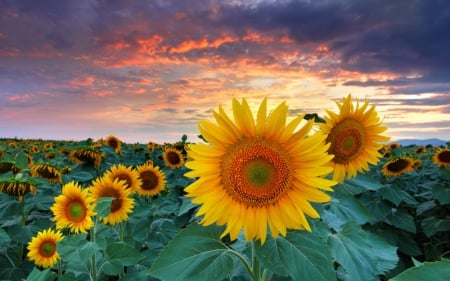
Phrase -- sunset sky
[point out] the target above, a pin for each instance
(149, 70)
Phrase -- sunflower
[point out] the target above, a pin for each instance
(42, 248)
(121, 172)
(74, 208)
(8, 166)
(354, 137)
(114, 142)
(258, 174)
(47, 171)
(421, 149)
(18, 187)
(394, 145)
(173, 158)
(122, 204)
(86, 155)
(442, 157)
(398, 166)
(153, 180)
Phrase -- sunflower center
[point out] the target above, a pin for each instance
(125, 178)
(444, 156)
(149, 180)
(173, 158)
(256, 172)
(76, 211)
(398, 165)
(47, 249)
(347, 140)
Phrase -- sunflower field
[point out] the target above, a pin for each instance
(109, 210)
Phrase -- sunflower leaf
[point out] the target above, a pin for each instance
(123, 254)
(436, 271)
(103, 206)
(301, 255)
(44, 275)
(194, 254)
(362, 254)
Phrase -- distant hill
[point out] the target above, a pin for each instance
(433, 142)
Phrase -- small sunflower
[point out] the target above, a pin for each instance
(47, 171)
(122, 172)
(8, 166)
(114, 142)
(42, 248)
(74, 209)
(442, 157)
(86, 155)
(421, 149)
(173, 158)
(354, 136)
(153, 180)
(18, 187)
(122, 204)
(258, 174)
(398, 166)
(394, 145)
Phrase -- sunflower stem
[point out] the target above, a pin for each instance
(93, 258)
(245, 262)
(255, 264)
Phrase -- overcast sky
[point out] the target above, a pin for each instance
(149, 70)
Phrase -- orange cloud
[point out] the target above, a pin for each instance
(190, 45)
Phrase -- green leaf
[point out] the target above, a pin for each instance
(360, 184)
(195, 254)
(441, 193)
(44, 275)
(402, 219)
(123, 254)
(301, 255)
(432, 225)
(349, 208)
(362, 254)
(397, 195)
(21, 160)
(4, 237)
(103, 206)
(436, 271)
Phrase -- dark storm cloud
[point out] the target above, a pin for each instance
(369, 36)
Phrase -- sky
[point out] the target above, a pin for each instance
(150, 70)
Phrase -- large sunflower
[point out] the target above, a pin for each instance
(173, 158)
(442, 157)
(122, 204)
(153, 180)
(74, 208)
(42, 248)
(122, 172)
(354, 136)
(398, 166)
(258, 174)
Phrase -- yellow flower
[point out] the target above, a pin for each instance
(86, 155)
(173, 158)
(254, 175)
(442, 157)
(398, 166)
(42, 248)
(47, 171)
(121, 172)
(114, 142)
(153, 180)
(18, 187)
(122, 204)
(74, 208)
(354, 135)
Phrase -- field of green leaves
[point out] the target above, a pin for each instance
(390, 223)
